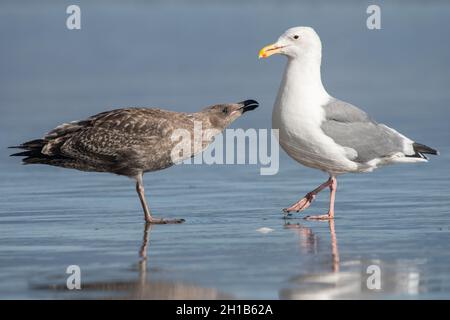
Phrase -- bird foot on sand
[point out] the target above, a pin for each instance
(301, 205)
(164, 221)
(322, 217)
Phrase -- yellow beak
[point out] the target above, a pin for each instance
(269, 50)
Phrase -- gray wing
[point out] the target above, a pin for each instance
(352, 128)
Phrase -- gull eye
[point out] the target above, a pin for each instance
(224, 110)
(296, 37)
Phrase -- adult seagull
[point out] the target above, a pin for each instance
(325, 133)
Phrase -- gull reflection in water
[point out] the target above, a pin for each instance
(140, 288)
(146, 289)
(351, 279)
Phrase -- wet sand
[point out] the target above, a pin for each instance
(397, 218)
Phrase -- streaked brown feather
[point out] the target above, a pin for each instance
(124, 141)
(129, 141)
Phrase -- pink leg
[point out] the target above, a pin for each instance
(147, 214)
(330, 214)
(305, 202)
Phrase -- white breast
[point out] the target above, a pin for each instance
(298, 115)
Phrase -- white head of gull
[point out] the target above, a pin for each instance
(322, 132)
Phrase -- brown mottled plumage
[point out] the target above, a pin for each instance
(128, 141)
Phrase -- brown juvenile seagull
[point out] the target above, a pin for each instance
(132, 141)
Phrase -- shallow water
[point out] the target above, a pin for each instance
(186, 57)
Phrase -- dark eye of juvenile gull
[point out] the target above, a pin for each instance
(224, 110)
(296, 37)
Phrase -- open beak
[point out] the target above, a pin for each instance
(269, 50)
(248, 105)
